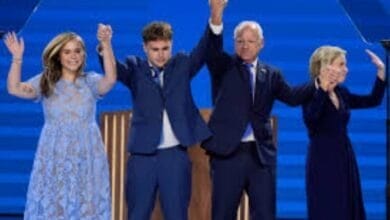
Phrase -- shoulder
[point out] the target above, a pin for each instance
(270, 72)
(178, 58)
(180, 55)
(268, 68)
(90, 74)
(134, 60)
(90, 77)
(36, 77)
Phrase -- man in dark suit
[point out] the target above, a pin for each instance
(243, 155)
(164, 123)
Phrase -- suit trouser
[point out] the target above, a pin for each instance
(240, 171)
(169, 172)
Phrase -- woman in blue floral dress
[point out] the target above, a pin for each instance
(70, 176)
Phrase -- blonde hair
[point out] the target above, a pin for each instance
(322, 56)
(52, 64)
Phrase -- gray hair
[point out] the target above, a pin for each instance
(248, 24)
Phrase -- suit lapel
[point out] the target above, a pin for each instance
(146, 69)
(241, 69)
(243, 76)
(261, 72)
(148, 72)
(168, 70)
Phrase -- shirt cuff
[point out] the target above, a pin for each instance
(216, 29)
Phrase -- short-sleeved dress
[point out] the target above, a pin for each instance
(70, 176)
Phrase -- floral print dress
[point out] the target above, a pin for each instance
(70, 177)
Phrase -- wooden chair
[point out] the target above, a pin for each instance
(115, 126)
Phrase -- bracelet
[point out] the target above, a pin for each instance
(17, 60)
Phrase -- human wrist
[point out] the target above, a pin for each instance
(17, 59)
(105, 44)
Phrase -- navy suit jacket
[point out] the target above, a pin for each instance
(149, 99)
(234, 108)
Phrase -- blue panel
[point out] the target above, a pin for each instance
(371, 18)
(13, 16)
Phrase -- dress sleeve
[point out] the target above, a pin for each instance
(92, 79)
(373, 99)
(291, 95)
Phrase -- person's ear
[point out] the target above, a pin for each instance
(261, 44)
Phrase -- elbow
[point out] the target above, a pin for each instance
(111, 83)
(376, 103)
(111, 80)
(12, 92)
(375, 100)
(12, 89)
(110, 76)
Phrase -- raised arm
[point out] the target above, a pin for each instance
(200, 53)
(378, 63)
(14, 85)
(104, 35)
(216, 57)
(378, 90)
(216, 11)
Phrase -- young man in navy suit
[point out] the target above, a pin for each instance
(243, 155)
(164, 123)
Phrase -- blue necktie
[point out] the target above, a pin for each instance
(249, 67)
(156, 74)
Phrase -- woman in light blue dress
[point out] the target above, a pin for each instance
(70, 176)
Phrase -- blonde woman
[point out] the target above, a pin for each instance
(332, 176)
(70, 177)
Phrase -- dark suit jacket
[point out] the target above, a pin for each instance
(149, 99)
(234, 108)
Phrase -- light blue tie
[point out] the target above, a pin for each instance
(249, 67)
(156, 74)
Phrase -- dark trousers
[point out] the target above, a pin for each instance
(169, 172)
(239, 172)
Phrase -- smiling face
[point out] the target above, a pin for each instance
(332, 56)
(72, 56)
(340, 64)
(248, 41)
(158, 52)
